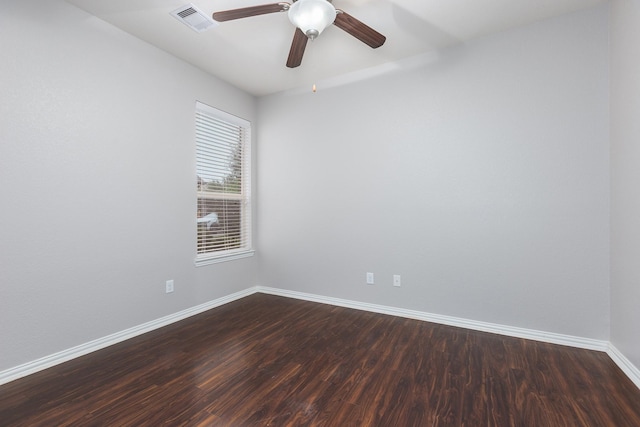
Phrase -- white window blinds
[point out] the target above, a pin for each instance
(223, 167)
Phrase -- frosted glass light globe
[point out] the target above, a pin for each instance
(312, 16)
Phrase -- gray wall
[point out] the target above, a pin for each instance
(481, 176)
(97, 181)
(625, 178)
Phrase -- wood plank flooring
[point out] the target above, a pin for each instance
(272, 361)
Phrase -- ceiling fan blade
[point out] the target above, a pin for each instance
(297, 49)
(359, 30)
(245, 12)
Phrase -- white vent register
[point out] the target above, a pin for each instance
(192, 17)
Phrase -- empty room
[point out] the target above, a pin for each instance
(320, 213)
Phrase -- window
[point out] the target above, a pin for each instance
(223, 168)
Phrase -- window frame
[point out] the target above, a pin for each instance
(246, 225)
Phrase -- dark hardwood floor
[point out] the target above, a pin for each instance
(271, 361)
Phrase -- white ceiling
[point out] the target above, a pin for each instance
(251, 53)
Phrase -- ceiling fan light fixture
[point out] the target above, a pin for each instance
(312, 16)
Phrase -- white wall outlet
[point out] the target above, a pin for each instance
(396, 280)
(369, 278)
(169, 286)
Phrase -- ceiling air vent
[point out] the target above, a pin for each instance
(193, 18)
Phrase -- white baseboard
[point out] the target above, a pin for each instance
(625, 364)
(91, 346)
(530, 334)
(54, 359)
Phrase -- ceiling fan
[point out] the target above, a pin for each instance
(310, 17)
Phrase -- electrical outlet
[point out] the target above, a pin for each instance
(169, 286)
(396, 280)
(370, 279)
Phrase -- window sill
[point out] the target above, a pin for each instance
(215, 259)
